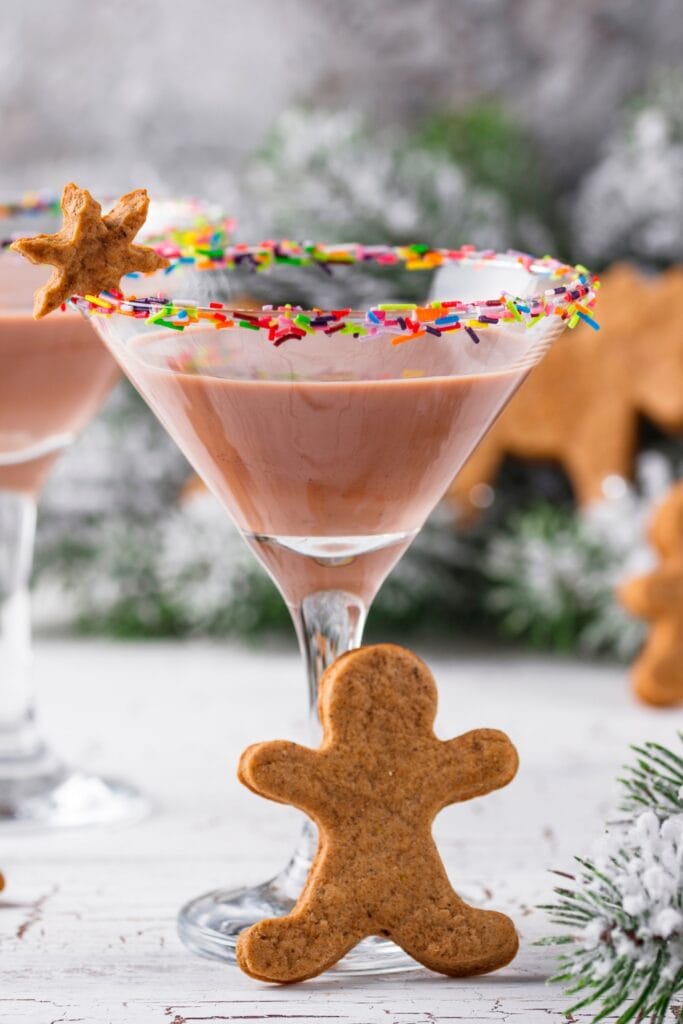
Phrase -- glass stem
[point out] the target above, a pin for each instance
(328, 623)
(19, 741)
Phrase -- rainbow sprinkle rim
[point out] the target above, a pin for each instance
(31, 202)
(572, 301)
(206, 232)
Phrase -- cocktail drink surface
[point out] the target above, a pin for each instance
(329, 437)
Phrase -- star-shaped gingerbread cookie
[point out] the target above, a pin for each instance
(373, 788)
(90, 253)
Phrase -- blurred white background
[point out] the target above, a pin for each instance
(177, 94)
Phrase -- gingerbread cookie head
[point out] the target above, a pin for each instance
(374, 690)
(373, 788)
(90, 253)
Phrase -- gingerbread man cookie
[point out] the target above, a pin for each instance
(658, 597)
(373, 788)
(90, 253)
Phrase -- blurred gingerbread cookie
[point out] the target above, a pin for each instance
(580, 406)
(90, 253)
(658, 597)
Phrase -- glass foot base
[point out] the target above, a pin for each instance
(210, 925)
(68, 799)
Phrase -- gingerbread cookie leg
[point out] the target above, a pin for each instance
(51, 295)
(453, 938)
(303, 944)
(658, 681)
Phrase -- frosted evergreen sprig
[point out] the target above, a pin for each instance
(624, 909)
(655, 782)
(552, 571)
(630, 204)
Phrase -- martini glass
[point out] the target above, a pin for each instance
(329, 437)
(54, 376)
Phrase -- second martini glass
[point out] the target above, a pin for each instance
(329, 437)
(54, 376)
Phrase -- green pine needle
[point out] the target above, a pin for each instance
(655, 782)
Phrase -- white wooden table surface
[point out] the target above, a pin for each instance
(87, 930)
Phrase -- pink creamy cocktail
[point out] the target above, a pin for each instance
(54, 379)
(328, 479)
(55, 375)
(330, 434)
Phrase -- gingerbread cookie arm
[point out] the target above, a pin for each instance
(129, 213)
(284, 772)
(653, 595)
(474, 764)
(37, 249)
(145, 260)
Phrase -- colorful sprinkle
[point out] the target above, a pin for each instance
(31, 202)
(571, 301)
